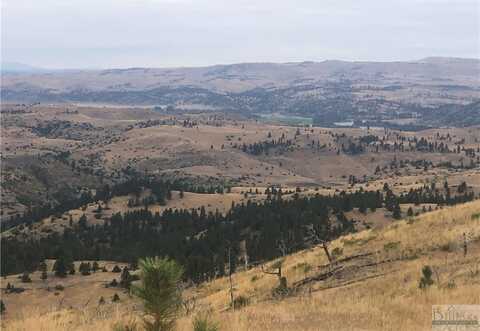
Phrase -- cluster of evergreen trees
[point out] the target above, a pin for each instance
(263, 147)
(199, 240)
(400, 143)
(160, 188)
(441, 196)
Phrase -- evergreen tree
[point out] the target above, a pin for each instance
(60, 267)
(159, 291)
(82, 222)
(42, 266)
(410, 212)
(397, 213)
(125, 278)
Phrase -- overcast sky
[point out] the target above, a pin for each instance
(161, 33)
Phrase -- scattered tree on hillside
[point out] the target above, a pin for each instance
(60, 267)
(410, 212)
(84, 268)
(125, 278)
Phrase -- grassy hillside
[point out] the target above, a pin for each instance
(372, 285)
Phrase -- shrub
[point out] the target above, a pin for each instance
(451, 284)
(128, 326)
(240, 302)
(393, 245)
(304, 267)
(159, 290)
(426, 279)
(282, 289)
(203, 323)
(115, 298)
(26, 278)
(337, 251)
(448, 247)
(59, 287)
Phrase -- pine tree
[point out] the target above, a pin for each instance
(159, 291)
(410, 212)
(84, 269)
(42, 266)
(60, 267)
(125, 278)
(397, 213)
(82, 222)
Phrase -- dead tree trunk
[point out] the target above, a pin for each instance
(281, 279)
(325, 248)
(232, 301)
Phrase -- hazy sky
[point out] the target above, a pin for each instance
(159, 33)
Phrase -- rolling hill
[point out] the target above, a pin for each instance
(373, 284)
(339, 90)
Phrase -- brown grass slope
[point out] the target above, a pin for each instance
(373, 285)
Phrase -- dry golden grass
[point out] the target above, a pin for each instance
(390, 300)
(92, 319)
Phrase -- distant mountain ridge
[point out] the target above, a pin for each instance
(329, 90)
(17, 67)
(245, 76)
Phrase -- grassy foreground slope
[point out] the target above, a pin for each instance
(373, 285)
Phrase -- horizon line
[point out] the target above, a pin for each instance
(33, 68)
